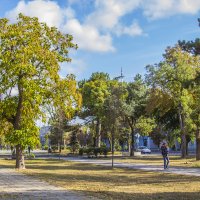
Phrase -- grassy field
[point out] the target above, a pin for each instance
(105, 183)
(175, 161)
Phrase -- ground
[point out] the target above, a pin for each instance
(105, 183)
(175, 161)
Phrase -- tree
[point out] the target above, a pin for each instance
(74, 142)
(134, 107)
(193, 47)
(161, 106)
(30, 54)
(195, 116)
(173, 77)
(94, 92)
(113, 111)
(62, 106)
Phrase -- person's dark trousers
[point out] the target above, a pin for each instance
(166, 161)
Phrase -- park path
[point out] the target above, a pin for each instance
(146, 167)
(15, 185)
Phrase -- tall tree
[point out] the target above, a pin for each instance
(193, 47)
(62, 106)
(174, 76)
(94, 92)
(161, 106)
(134, 106)
(113, 111)
(30, 53)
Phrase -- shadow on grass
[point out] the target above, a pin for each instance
(154, 158)
(78, 195)
(43, 195)
(147, 196)
(64, 165)
(75, 172)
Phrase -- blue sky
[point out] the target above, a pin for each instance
(114, 33)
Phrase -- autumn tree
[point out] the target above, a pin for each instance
(64, 102)
(193, 47)
(30, 54)
(173, 77)
(161, 105)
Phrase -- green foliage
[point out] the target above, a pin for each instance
(30, 54)
(174, 78)
(94, 93)
(192, 47)
(145, 125)
(74, 144)
(94, 151)
(30, 156)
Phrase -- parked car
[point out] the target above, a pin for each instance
(144, 149)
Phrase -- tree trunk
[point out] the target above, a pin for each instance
(113, 141)
(183, 135)
(19, 158)
(98, 133)
(187, 149)
(187, 142)
(198, 144)
(94, 141)
(132, 143)
(183, 145)
(20, 164)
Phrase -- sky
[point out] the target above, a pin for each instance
(113, 34)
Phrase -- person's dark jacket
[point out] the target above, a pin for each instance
(164, 151)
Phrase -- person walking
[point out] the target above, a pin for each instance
(164, 151)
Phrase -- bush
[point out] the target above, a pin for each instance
(54, 148)
(117, 147)
(81, 151)
(104, 150)
(30, 156)
(90, 151)
(45, 147)
(97, 151)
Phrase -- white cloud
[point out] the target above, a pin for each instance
(46, 11)
(155, 9)
(88, 37)
(107, 13)
(95, 32)
(132, 30)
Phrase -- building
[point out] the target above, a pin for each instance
(43, 131)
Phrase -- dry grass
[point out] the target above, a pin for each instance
(175, 161)
(118, 184)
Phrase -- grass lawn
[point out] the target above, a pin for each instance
(175, 161)
(105, 183)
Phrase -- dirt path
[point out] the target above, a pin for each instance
(14, 185)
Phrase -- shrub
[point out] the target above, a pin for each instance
(96, 151)
(81, 151)
(54, 148)
(104, 150)
(45, 147)
(90, 151)
(30, 156)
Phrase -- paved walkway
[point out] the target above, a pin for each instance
(146, 167)
(15, 185)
